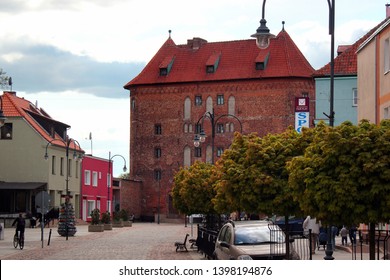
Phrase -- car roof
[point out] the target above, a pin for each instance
(250, 223)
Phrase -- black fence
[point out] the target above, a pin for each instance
(360, 249)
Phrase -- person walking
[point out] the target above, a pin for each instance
(344, 236)
(311, 225)
(334, 232)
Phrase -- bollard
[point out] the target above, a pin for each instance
(48, 241)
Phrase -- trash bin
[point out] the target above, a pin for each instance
(1, 231)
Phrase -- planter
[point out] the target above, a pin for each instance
(107, 226)
(127, 223)
(117, 224)
(96, 228)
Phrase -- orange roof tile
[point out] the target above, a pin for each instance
(237, 60)
(14, 106)
(345, 64)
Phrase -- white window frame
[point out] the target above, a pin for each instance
(386, 56)
(91, 204)
(94, 179)
(87, 177)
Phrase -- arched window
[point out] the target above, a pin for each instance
(187, 108)
(209, 104)
(187, 156)
(232, 105)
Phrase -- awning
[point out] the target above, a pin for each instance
(21, 186)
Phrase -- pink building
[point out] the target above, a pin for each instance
(96, 191)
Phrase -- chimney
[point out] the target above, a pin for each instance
(196, 43)
(387, 10)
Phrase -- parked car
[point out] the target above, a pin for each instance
(247, 240)
(295, 224)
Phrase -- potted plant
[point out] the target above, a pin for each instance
(125, 218)
(117, 222)
(95, 225)
(106, 220)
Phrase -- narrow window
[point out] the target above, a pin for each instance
(87, 177)
(198, 151)
(94, 179)
(354, 97)
(53, 165)
(62, 166)
(157, 152)
(198, 100)
(220, 128)
(157, 129)
(157, 174)
(386, 56)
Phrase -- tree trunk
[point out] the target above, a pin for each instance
(372, 240)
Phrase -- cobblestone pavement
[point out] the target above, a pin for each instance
(142, 241)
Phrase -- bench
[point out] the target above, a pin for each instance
(182, 246)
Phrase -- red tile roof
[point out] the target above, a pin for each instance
(14, 106)
(346, 63)
(237, 60)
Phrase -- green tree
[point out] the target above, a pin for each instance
(193, 189)
(344, 175)
(253, 173)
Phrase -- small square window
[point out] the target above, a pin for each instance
(157, 129)
(6, 131)
(198, 100)
(198, 152)
(220, 99)
(220, 128)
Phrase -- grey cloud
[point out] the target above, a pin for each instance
(46, 68)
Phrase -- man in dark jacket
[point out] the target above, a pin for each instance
(20, 224)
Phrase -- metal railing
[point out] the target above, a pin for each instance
(360, 249)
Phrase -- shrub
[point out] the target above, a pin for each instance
(95, 215)
(106, 217)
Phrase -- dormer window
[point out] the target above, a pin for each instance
(212, 63)
(262, 61)
(166, 65)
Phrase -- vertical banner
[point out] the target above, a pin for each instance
(302, 113)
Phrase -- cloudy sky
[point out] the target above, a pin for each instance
(73, 57)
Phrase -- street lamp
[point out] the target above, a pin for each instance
(110, 179)
(67, 144)
(201, 137)
(262, 40)
(2, 117)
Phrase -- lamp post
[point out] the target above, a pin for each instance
(109, 182)
(2, 117)
(263, 35)
(201, 137)
(67, 142)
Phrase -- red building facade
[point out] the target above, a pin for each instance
(172, 100)
(95, 189)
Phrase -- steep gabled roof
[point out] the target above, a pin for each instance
(237, 60)
(346, 63)
(38, 119)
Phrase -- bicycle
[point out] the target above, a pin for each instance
(19, 241)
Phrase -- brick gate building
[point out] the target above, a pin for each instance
(182, 82)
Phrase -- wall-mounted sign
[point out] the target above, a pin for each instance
(302, 113)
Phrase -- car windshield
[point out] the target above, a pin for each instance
(257, 235)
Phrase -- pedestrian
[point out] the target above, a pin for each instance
(334, 232)
(311, 225)
(344, 236)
